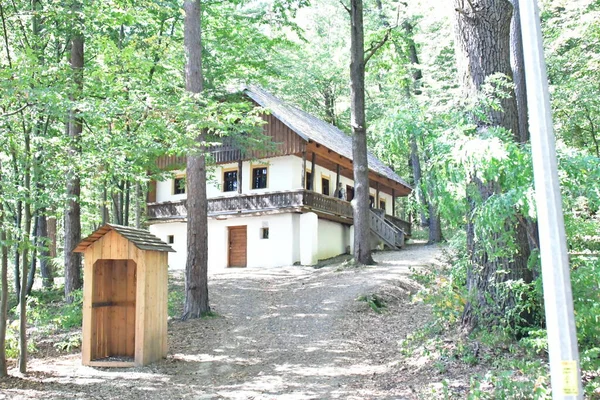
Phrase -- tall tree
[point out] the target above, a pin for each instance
(4, 283)
(196, 269)
(75, 127)
(482, 32)
(358, 124)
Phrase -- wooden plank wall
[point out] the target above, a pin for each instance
(140, 294)
(113, 309)
(286, 140)
(154, 309)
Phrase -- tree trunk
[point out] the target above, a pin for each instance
(435, 223)
(482, 32)
(33, 263)
(126, 204)
(417, 75)
(483, 49)
(52, 236)
(360, 203)
(73, 212)
(44, 251)
(138, 205)
(417, 176)
(4, 282)
(196, 269)
(26, 248)
(518, 69)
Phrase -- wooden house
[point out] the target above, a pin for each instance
(280, 207)
(124, 297)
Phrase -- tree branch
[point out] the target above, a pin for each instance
(8, 114)
(376, 46)
(345, 7)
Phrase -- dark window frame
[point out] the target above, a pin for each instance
(260, 181)
(178, 187)
(264, 233)
(229, 183)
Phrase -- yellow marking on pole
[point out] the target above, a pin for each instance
(569, 378)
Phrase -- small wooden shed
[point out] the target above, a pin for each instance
(124, 297)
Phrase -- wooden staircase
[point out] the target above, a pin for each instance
(392, 235)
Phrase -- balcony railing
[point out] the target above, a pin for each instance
(250, 203)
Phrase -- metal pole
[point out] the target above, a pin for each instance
(558, 299)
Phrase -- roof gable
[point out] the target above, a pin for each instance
(142, 239)
(311, 128)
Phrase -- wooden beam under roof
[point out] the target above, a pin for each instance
(329, 159)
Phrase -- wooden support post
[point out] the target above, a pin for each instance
(303, 179)
(239, 177)
(394, 202)
(313, 172)
(376, 196)
(337, 176)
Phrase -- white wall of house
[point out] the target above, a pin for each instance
(284, 173)
(333, 238)
(277, 250)
(281, 248)
(288, 241)
(178, 230)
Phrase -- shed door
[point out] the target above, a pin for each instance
(238, 243)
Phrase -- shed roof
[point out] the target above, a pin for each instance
(312, 128)
(142, 239)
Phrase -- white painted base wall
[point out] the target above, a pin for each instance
(292, 238)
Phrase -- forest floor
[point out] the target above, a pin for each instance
(280, 333)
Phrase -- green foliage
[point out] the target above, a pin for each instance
(12, 341)
(48, 311)
(69, 343)
(175, 302)
(585, 281)
(375, 302)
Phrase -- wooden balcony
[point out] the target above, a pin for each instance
(284, 201)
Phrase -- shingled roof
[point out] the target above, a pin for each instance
(142, 239)
(312, 128)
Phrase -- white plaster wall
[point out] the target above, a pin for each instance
(176, 260)
(277, 250)
(332, 239)
(164, 190)
(284, 173)
(309, 238)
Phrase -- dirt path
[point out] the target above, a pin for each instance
(283, 333)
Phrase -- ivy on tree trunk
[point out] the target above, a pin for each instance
(483, 48)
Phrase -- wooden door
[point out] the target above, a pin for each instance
(238, 244)
(349, 193)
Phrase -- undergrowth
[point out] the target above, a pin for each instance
(514, 355)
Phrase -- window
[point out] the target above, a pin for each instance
(264, 233)
(259, 178)
(171, 239)
(382, 204)
(230, 181)
(308, 181)
(179, 185)
(371, 201)
(325, 186)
